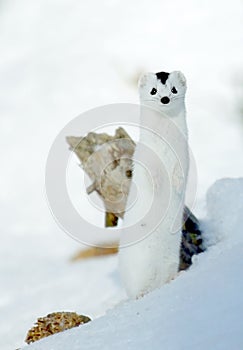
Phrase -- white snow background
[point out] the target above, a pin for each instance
(59, 59)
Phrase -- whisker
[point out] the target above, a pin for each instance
(177, 98)
(150, 100)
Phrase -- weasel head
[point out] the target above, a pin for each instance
(163, 91)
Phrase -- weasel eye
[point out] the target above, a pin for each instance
(173, 90)
(153, 91)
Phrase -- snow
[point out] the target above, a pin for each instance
(224, 222)
(59, 59)
(202, 308)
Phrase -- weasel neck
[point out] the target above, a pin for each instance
(176, 115)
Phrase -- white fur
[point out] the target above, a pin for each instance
(154, 260)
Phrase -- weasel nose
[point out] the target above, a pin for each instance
(165, 100)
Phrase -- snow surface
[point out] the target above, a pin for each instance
(61, 58)
(201, 309)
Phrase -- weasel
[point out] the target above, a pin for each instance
(154, 260)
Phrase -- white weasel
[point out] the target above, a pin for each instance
(152, 261)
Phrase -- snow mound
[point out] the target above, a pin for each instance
(201, 309)
(224, 211)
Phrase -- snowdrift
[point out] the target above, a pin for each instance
(202, 308)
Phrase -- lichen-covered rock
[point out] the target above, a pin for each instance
(108, 162)
(54, 323)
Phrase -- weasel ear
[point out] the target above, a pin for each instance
(181, 77)
(144, 79)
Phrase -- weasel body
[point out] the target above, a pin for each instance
(153, 260)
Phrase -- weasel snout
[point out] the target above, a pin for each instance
(165, 100)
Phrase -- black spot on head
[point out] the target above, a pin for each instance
(162, 76)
